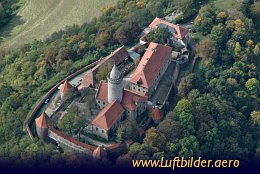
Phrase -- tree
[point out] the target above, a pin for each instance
(205, 20)
(127, 129)
(219, 34)
(221, 17)
(255, 118)
(155, 8)
(185, 5)
(257, 51)
(2, 11)
(143, 19)
(254, 12)
(253, 86)
(237, 49)
(103, 72)
(137, 151)
(154, 139)
(183, 106)
(72, 122)
(159, 36)
(171, 129)
(183, 114)
(127, 33)
(207, 48)
(66, 124)
(188, 83)
(189, 146)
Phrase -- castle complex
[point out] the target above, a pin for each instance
(118, 97)
(115, 101)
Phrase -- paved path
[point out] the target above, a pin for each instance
(95, 142)
(164, 85)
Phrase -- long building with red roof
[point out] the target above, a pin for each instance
(179, 33)
(116, 57)
(108, 118)
(151, 68)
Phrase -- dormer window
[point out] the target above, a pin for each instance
(139, 81)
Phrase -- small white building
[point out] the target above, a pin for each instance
(180, 34)
(134, 56)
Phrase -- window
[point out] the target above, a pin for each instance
(134, 87)
(138, 89)
(96, 129)
(98, 101)
(102, 131)
(103, 103)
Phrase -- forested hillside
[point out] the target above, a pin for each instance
(218, 114)
(7, 10)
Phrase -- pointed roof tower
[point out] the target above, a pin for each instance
(41, 121)
(115, 73)
(66, 87)
(156, 114)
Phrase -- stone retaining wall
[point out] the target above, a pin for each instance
(71, 142)
(31, 116)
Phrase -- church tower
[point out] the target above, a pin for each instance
(115, 85)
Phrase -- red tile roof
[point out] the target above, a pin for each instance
(102, 91)
(157, 114)
(99, 153)
(180, 31)
(41, 121)
(119, 55)
(129, 142)
(116, 57)
(66, 87)
(130, 99)
(150, 64)
(88, 79)
(108, 116)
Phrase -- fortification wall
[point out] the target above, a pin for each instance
(31, 116)
(71, 142)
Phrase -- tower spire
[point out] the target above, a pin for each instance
(115, 85)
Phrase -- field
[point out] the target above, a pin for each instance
(40, 18)
(226, 4)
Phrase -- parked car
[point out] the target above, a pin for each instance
(46, 101)
(60, 86)
(59, 149)
(158, 103)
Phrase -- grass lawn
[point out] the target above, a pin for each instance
(198, 68)
(40, 18)
(225, 4)
(197, 37)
